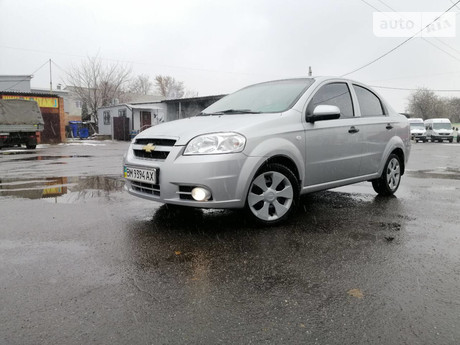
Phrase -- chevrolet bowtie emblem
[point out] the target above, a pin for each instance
(149, 148)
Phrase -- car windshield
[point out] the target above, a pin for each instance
(442, 126)
(270, 97)
(417, 125)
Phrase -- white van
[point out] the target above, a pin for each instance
(439, 130)
(417, 129)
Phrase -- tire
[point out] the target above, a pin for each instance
(273, 194)
(31, 147)
(388, 183)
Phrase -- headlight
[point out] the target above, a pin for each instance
(215, 143)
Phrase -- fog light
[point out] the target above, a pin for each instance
(201, 194)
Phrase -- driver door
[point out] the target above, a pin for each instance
(333, 147)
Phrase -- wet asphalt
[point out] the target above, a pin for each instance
(83, 262)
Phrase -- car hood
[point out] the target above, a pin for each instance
(185, 130)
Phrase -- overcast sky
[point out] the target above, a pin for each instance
(220, 46)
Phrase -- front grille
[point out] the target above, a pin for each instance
(156, 142)
(146, 188)
(158, 149)
(151, 155)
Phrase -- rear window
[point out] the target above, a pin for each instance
(369, 103)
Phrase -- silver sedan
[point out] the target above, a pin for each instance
(263, 146)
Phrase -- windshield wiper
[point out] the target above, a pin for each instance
(239, 111)
(230, 111)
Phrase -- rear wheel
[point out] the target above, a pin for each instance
(31, 147)
(273, 194)
(388, 183)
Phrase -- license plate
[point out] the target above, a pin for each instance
(140, 175)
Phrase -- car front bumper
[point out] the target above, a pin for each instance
(442, 137)
(226, 176)
(419, 137)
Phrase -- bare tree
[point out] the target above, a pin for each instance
(170, 88)
(98, 84)
(426, 104)
(453, 106)
(141, 85)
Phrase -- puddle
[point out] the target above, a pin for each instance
(45, 158)
(74, 188)
(446, 173)
(17, 152)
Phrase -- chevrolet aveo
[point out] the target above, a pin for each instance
(263, 146)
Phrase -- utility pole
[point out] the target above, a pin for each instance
(51, 80)
(309, 71)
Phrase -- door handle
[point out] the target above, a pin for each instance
(389, 126)
(353, 130)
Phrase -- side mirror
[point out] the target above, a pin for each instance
(324, 112)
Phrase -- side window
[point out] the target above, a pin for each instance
(336, 94)
(106, 117)
(369, 103)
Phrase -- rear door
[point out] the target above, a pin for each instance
(333, 147)
(376, 126)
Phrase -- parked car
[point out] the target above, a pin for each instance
(261, 147)
(439, 129)
(417, 129)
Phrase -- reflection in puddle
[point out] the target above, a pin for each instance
(44, 158)
(16, 152)
(75, 188)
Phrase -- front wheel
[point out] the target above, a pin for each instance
(273, 194)
(388, 183)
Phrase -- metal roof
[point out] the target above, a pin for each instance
(30, 94)
(191, 99)
(143, 106)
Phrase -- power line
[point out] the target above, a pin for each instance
(55, 64)
(370, 5)
(445, 51)
(384, 4)
(20, 81)
(399, 45)
(448, 45)
(410, 89)
(415, 76)
(423, 38)
(157, 65)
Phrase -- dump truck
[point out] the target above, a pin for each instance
(20, 120)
